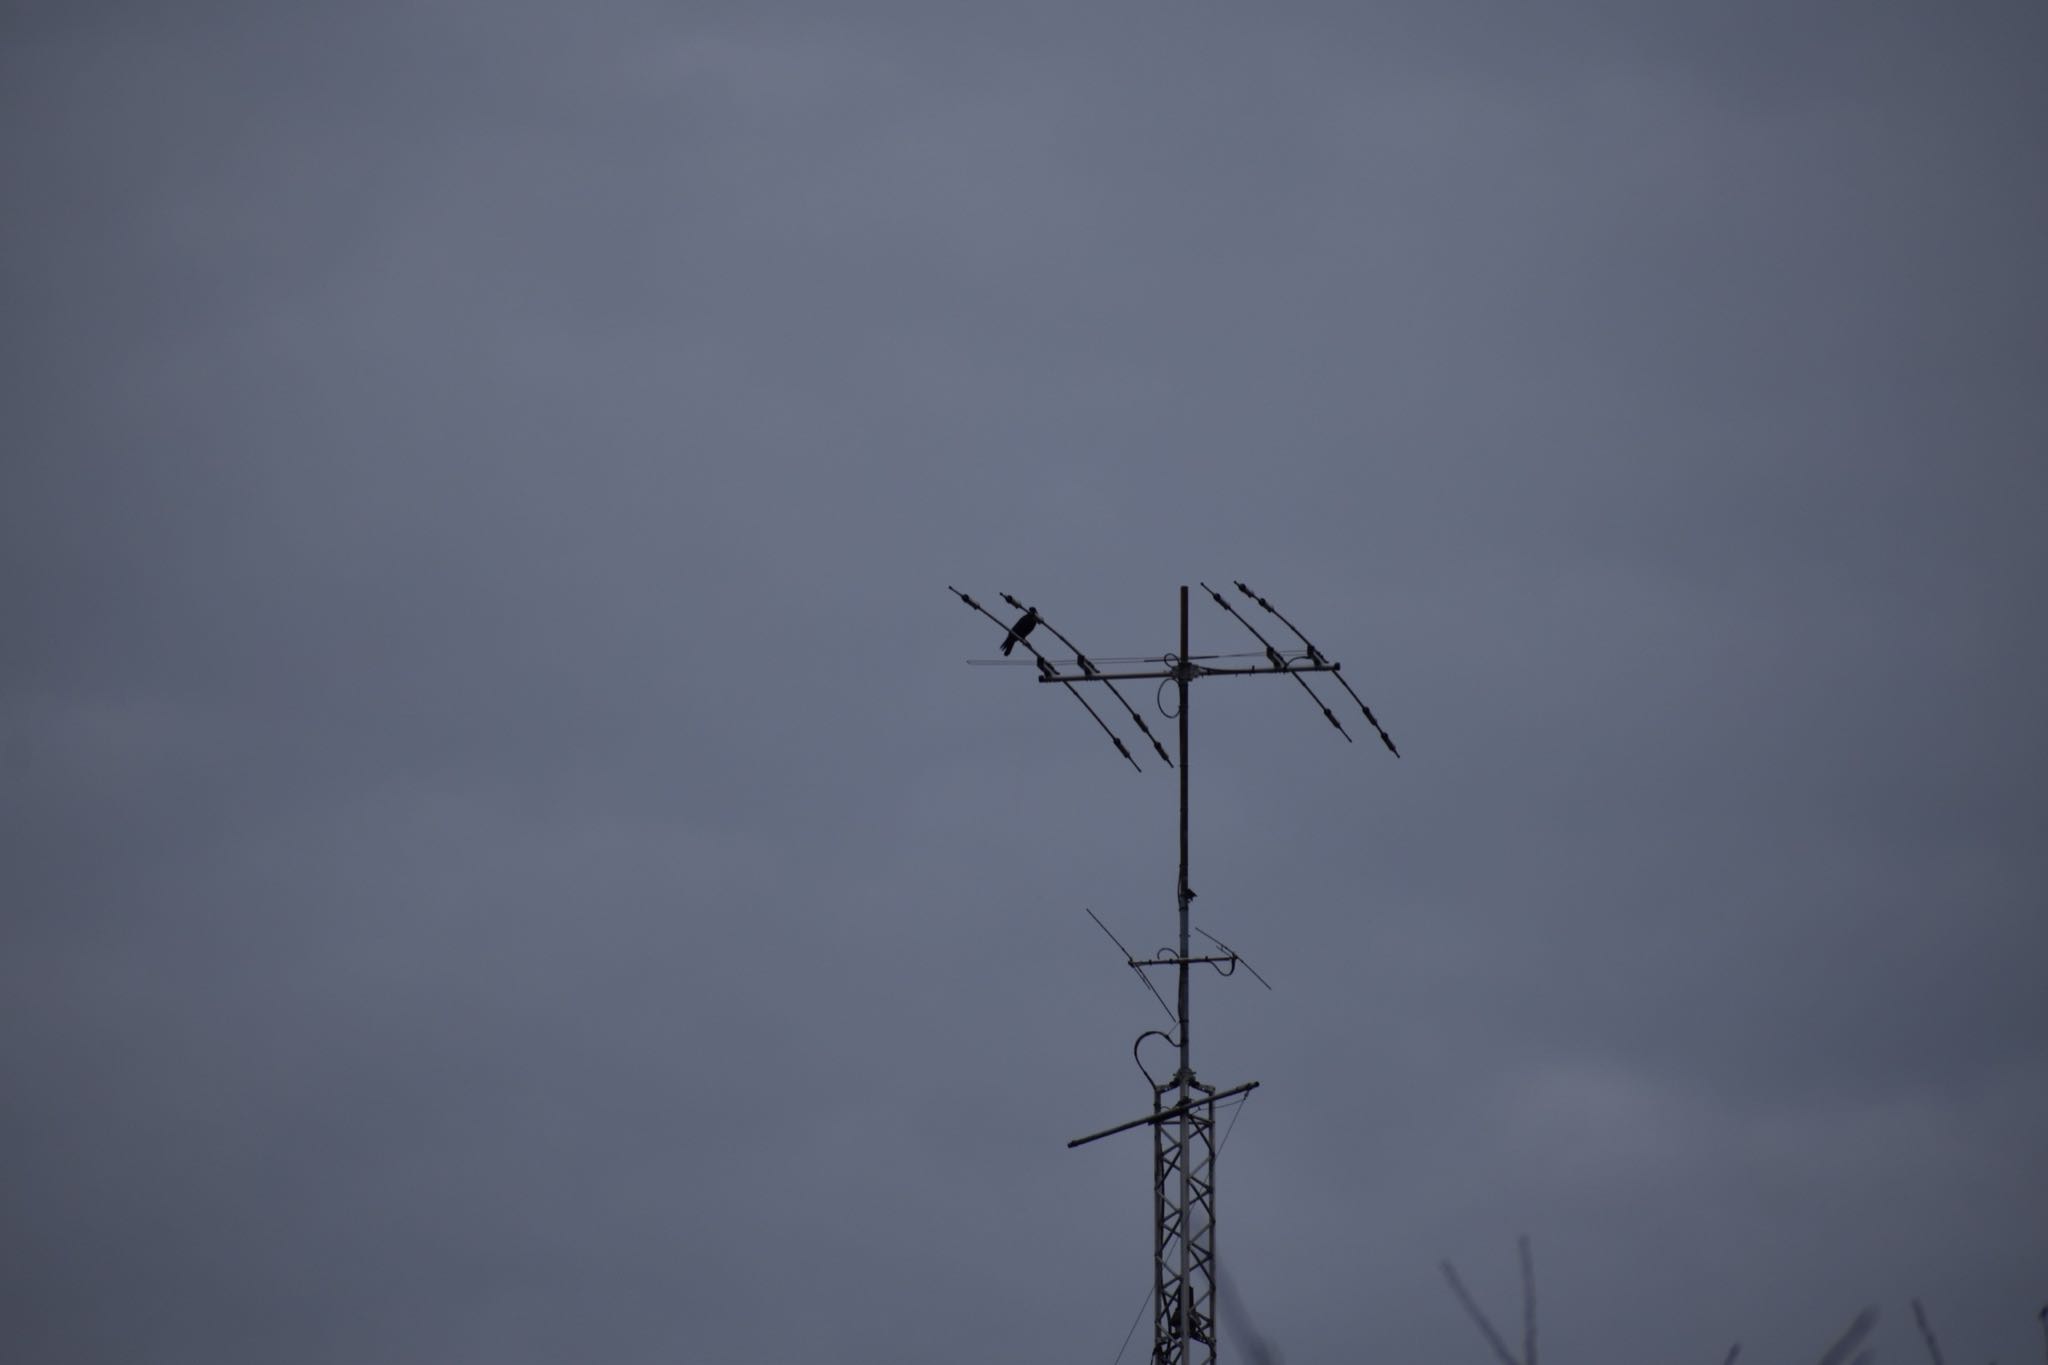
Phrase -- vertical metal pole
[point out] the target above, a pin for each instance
(1187, 1288)
(1182, 678)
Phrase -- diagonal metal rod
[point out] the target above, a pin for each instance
(1235, 956)
(1317, 655)
(1046, 669)
(1088, 667)
(1280, 662)
(1131, 962)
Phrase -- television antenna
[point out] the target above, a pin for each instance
(1182, 1118)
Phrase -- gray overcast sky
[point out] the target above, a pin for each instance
(503, 861)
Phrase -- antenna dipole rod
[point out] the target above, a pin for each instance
(1316, 655)
(1090, 671)
(1047, 673)
(1279, 663)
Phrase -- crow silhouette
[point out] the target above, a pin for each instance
(1026, 623)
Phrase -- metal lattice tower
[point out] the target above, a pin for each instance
(1183, 1116)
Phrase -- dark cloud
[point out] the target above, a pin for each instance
(503, 861)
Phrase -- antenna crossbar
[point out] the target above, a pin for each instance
(1170, 1112)
(1196, 669)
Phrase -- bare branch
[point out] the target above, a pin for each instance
(1529, 1302)
(1844, 1351)
(1493, 1339)
(1927, 1332)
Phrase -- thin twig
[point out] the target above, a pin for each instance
(1500, 1348)
(1733, 1351)
(1843, 1352)
(1927, 1332)
(1529, 1302)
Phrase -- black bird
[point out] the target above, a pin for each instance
(1026, 623)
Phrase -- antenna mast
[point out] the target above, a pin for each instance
(1183, 1117)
